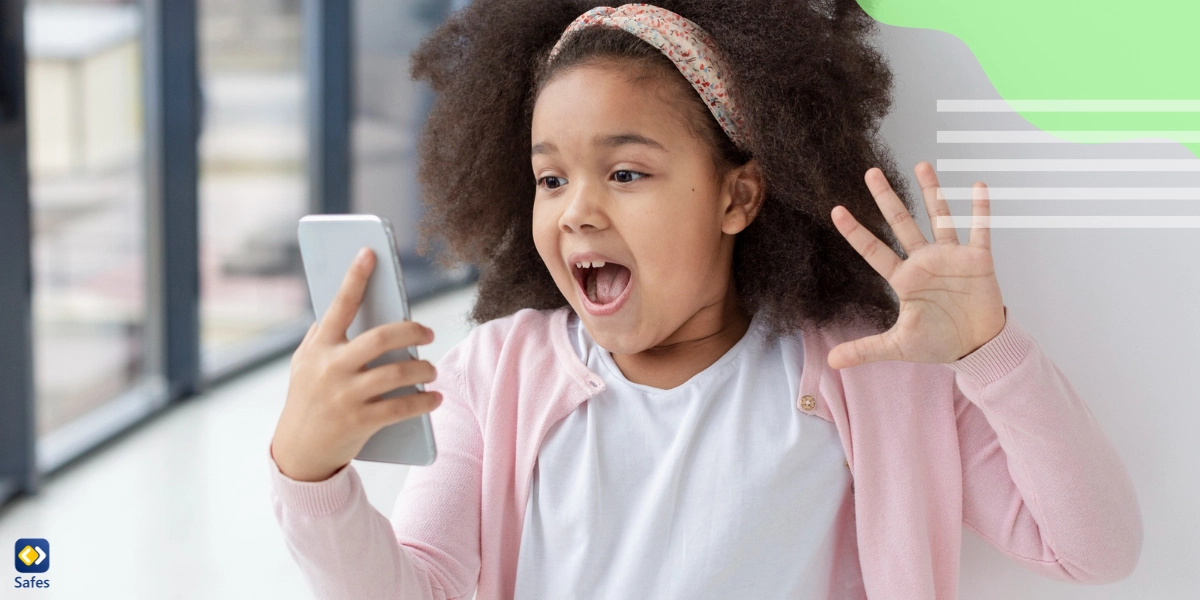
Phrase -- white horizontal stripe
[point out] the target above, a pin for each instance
(1077, 193)
(1068, 164)
(1067, 137)
(1075, 222)
(1068, 105)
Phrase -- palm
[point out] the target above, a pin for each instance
(950, 301)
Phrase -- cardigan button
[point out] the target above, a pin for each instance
(808, 402)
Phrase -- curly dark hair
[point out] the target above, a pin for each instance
(812, 90)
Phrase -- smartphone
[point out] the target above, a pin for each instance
(328, 245)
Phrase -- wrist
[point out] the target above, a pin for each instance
(996, 332)
(299, 471)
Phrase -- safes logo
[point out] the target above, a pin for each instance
(31, 555)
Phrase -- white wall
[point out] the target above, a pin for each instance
(1116, 309)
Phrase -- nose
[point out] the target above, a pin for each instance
(584, 210)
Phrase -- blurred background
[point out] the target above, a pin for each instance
(155, 156)
(254, 118)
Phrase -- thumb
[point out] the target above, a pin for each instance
(862, 351)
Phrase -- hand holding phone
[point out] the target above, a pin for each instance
(335, 401)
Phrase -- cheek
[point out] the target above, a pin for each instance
(679, 238)
(545, 239)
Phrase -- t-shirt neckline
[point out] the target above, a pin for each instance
(753, 333)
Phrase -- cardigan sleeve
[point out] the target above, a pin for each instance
(429, 550)
(1041, 481)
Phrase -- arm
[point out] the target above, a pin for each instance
(347, 549)
(1041, 481)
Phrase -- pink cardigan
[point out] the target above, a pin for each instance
(998, 441)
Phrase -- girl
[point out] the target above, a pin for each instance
(709, 365)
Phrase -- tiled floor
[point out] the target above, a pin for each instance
(180, 507)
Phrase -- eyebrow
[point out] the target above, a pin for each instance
(610, 141)
(623, 139)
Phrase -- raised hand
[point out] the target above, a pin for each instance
(950, 301)
(334, 402)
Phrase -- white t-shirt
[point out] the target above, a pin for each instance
(719, 488)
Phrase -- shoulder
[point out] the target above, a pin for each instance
(526, 328)
(826, 336)
(890, 374)
(518, 343)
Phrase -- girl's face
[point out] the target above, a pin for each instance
(623, 181)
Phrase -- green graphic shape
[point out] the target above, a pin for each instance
(1079, 50)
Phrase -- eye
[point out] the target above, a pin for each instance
(627, 176)
(550, 182)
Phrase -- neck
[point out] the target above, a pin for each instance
(705, 337)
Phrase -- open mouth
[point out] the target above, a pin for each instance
(604, 284)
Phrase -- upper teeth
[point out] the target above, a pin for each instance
(592, 264)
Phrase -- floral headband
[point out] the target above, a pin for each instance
(682, 41)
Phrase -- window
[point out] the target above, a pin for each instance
(389, 110)
(85, 156)
(253, 186)
(147, 145)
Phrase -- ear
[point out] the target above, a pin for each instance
(745, 188)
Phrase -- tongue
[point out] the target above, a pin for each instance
(607, 283)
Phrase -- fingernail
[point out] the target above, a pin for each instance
(428, 333)
(361, 257)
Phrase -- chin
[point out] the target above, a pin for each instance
(614, 337)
